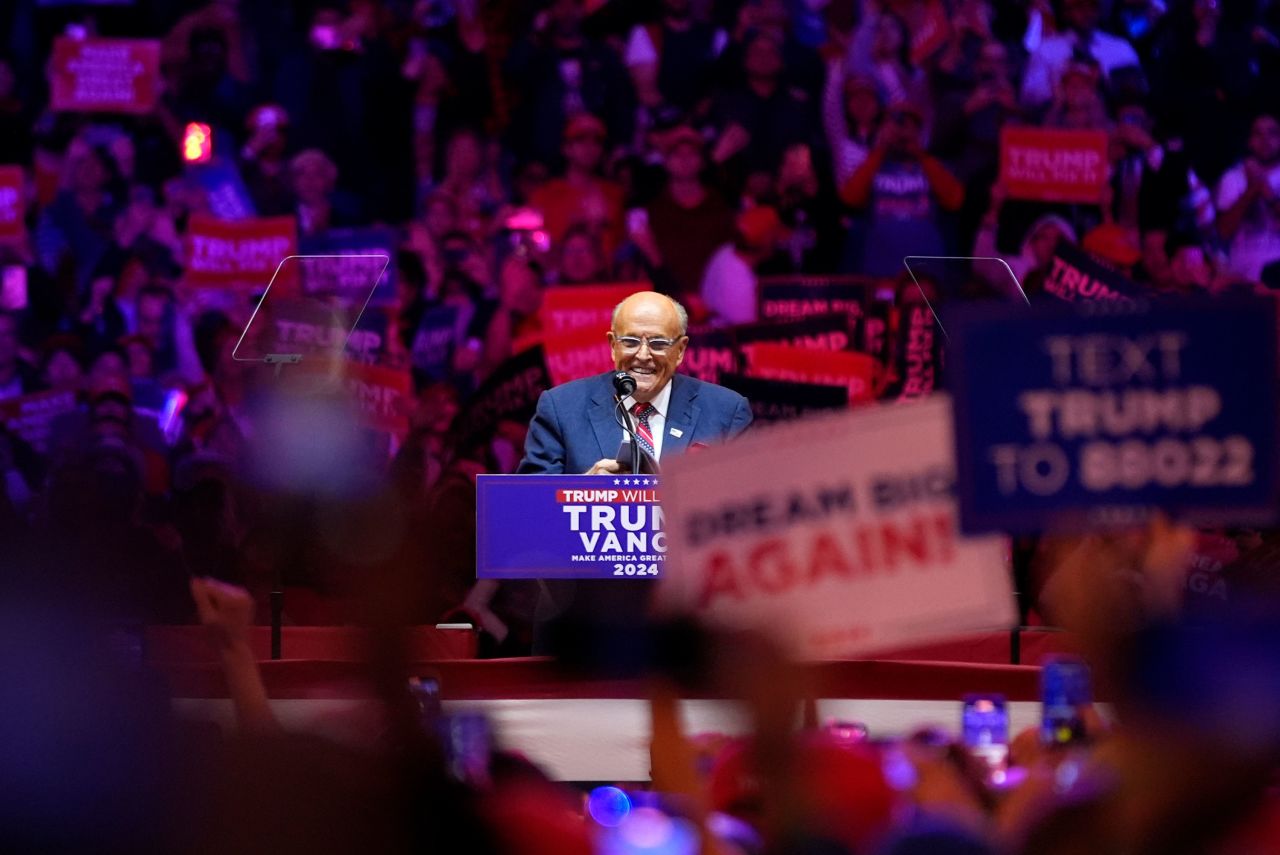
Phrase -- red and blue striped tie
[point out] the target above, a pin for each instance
(643, 432)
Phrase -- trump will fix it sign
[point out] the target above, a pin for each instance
(1052, 165)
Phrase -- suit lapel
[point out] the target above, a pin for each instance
(607, 431)
(682, 417)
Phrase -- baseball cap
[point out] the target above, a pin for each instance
(843, 785)
(761, 226)
(532, 818)
(582, 125)
(680, 135)
(1114, 244)
(849, 796)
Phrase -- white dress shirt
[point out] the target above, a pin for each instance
(657, 418)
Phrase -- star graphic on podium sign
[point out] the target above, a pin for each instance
(616, 482)
(645, 482)
(626, 482)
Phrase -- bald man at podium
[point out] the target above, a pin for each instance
(576, 430)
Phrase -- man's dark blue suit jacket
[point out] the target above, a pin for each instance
(574, 426)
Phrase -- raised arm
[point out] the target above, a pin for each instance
(228, 611)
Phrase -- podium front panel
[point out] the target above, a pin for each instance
(569, 527)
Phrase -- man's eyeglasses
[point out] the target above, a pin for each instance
(630, 344)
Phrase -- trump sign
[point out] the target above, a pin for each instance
(569, 527)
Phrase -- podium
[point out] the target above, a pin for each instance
(569, 527)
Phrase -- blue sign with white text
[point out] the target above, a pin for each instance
(349, 263)
(1101, 414)
(569, 527)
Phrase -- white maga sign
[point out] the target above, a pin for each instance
(837, 534)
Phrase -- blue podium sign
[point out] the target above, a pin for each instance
(569, 527)
(1102, 413)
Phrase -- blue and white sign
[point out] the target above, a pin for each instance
(349, 263)
(1103, 413)
(228, 196)
(438, 334)
(569, 527)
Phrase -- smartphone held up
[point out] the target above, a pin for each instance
(984, 728)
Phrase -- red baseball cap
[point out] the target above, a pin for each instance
(1113, 243)
(844, 787)
(847, 793)
(531, 818)
(680, 135)
(583, 125)
(761, 226)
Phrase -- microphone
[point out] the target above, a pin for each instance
(623, 384)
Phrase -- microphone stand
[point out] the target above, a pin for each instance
(625, 422)
(276, 597)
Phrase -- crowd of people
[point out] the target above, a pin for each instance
(1182, 762)
(511, 147)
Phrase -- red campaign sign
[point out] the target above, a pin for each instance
(12, 208)
(931, 34)
(105, 75)
(793, 298)
(802, 365)
(576, 353)
(1050, 165)
(571, 307)
(31, 416)
(240, 252)
(919, 371)
(381, 394)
